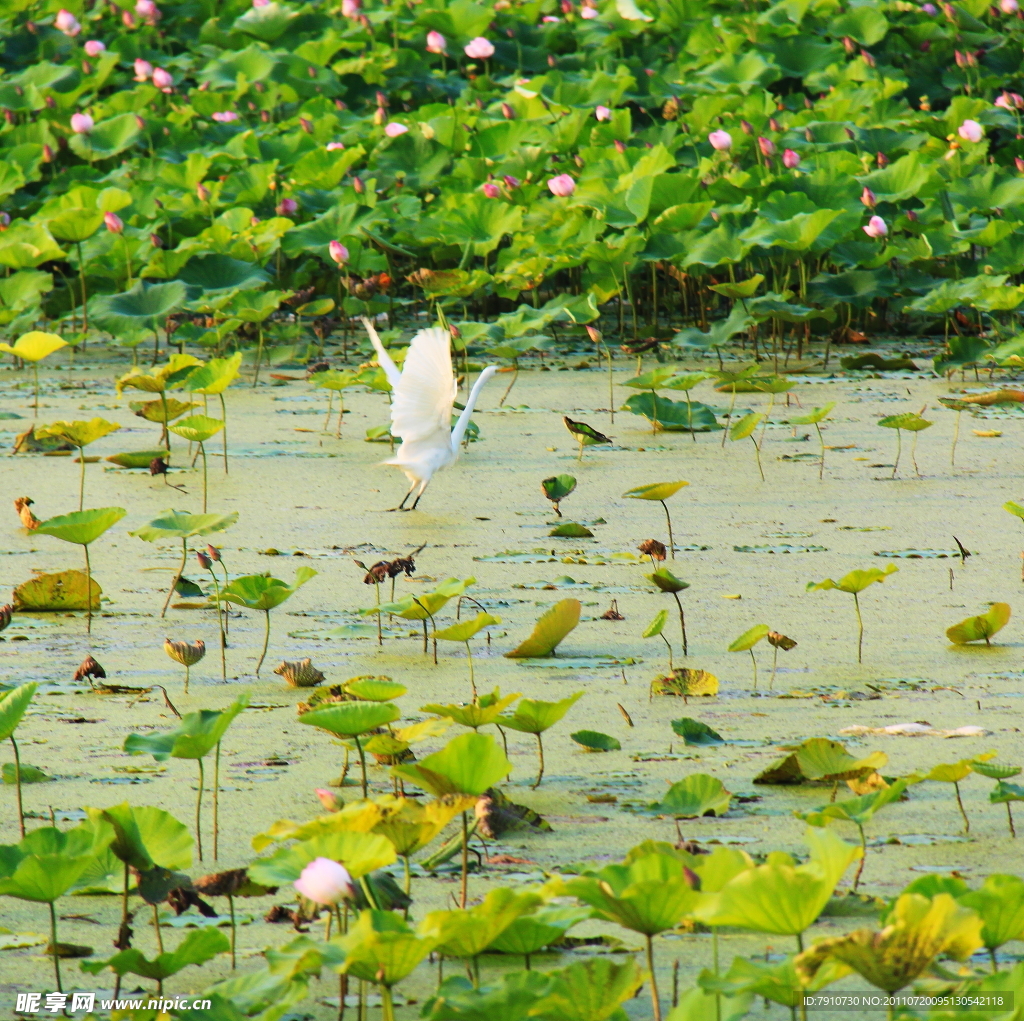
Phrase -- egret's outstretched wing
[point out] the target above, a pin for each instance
(423, 399)
(384, 359)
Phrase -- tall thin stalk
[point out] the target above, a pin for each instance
(199, 810)
(17, 788)
(216, 808)
(224, 431)
(682, 622)
(177, 577)
(266, 642)
(655, 1000)
(88, 590)
(53, 946)
(540, 756)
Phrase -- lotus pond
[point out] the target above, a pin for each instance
(691, 691)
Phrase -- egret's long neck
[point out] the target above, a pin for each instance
(463, 423)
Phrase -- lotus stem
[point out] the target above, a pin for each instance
(540, 757)
(775, 664)
(81, 478)
(714, 955)
(472, 679)
(330, 408)
(1009, 819)
(387, 1007)
(753, 659)
(669, 647)
(465, 859)
(956, 436)
(380, 634)
(362, 761)
(88, 590)
(85, 306)
(35, 373)
(899, 450)
(165, 435)
(682, 623)
(188, 671)
(53, 946)
(17, 788)
(515, 376)
(655, 1001)
(913, 455)
(671, 543)
(124, 905)
(266, 642)
(224, 431)
(860, 629)
(821, 442)
(992, 958)
(259, 358)
(960, 805)
(202, 450)
(611, 384)
(863, 856)
(199, 810)
(216, 792)
(231, 911)
(177, 577)
(368, 893)
(159, 933)
(757, 454)
(448, 849)
(728, 417)
(220, 627)
(408, 879)
(341, 412)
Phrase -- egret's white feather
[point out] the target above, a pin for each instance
(425, 392)
(391, 371)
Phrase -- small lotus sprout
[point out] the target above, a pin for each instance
(855, 582)
(533, 716)
(463, 631)
(656, 629)
(78, 434)
(557, 488)
(746, 643)
(185, 653)
(13, 705)
(668, 582)
(198, 429)
(743, 429)
(815, 418)
(659, 491)
(955, 773)
(911, 421)
(585, 435)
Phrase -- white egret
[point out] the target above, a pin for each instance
(423, 396)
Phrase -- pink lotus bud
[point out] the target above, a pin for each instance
(971, 131)
(510, 181)
(773, 124)
(479, 48)
(324, 881)
(335, 146)
(507, 112)
(549, 19)
(929, 9)
(436, 43)
(594, 334)
(620, 146)
(868, 58)
(202, 193)
(113, 223)
(143, 69)
(1019, 164)
(203, 560)
(357, 185)
(286, 207)
(306, 125)
(350, 8)
(338, 252)
(162, 79)
(720, 140)
(128, 19)
(254, 221)
(1017, 99)
(491, 190)
(47, 153)
(393, 129)
(81, 123)
(766, 145)
(94, 47)
(67, 23)
(213, 552)
(154, 240)
(1009, 6)
(881, 160)
(1004, 101)
(562, 186)
(876, 228)
(224, 116)
(912, 216)
(746, 127)
(867, 196)
(567, 7)
(148, 10)
(382, 99)
(602, 113)
(589, 13)
(791, 159)
(849, 45)
(329, 799)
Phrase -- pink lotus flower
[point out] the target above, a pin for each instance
(971, 131)
(328, 799)
(436, 43)
(143, 69)
(562, 186)
(479, 48)
(1008, 6)
(140, 122)
(393, 129)
(127, 19)
(224, 116)
(81, 123)
(1004, 101)
(162, 79)
(113, 223)
(867, 196)
(148, 10)
(334, 146)
(67, 23)
(286, 207)
(720, 140)
(550, 19)
(47, 153)
(261, 3)
(338, 252)
(324, 881)
(876, 228)
(351, 8)
(929, 8)
(766, 145)
(602, 113)
(589, 13)
(491, 190)
(93, 48)
(507, 112)
(510, 181)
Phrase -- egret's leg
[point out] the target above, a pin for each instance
(402, 506)
(423, 489)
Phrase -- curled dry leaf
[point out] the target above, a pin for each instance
(496, 814)
(780, 641)
(232, 883)
(185, 653)
(23, 505)
(653, 549)
(300, 674)
(89, 668)
(612, 613)
(6, 612)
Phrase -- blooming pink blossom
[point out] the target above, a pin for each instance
(491, 190)
(324, 881)
(766, 145)
(113, 223)
(436, 43)
(602, 113)
(971, 131)
(1004, 101)
(334, 146)
(81, 123)
(286, 207)
(94, 48)
(720, 140)
(261, 3)
(479, 48)
(143, 69)
(876, 228)
(393, 129)
(225, 116)
(1009, 6)
(351, 8)
(589, 13)
(147, 10)
(338, 252)
(162, 79)
(562, 186)
(67, 23)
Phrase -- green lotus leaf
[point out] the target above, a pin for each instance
(558, 487)
(320, 307)
(657, 625)
(426, 605)
(532, 716)
(744, 289)
(571, 530)
(197, 428)
(693, 732)
(591, 990)
(75, 225)
(468, 764)
(382, 948)
(466, 629)
(81, 527)
(996, 770)
(749, 638)
(856, 810)
(375, 689)
(34, 346)
(198, 947)
(529, 933)
(333, 379)
(468, 932)
(263, 592)
(472, 715)
(13, 705)
(49, 862)
(136, 458)
(909, 420)
(688, 381)
(107, 138)
(63, 590)
(215, 376)
(78, 434)
(813, 417)
(349, 719)
(509, 998)
(174, 524)
(673, 416)
(146, 837)
(1004, 792)
(983, 626)
(11, 774)
(551, 628)
(146, 306)
(695, 795)
(653, 380)
(360, 853)
(161, 411)
(655, 491)
(667, 581)
(954, 772)
(744, 427)
(595, 741)
(1000, 903)
(855, 581)
(196, 736)
(685, 681)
